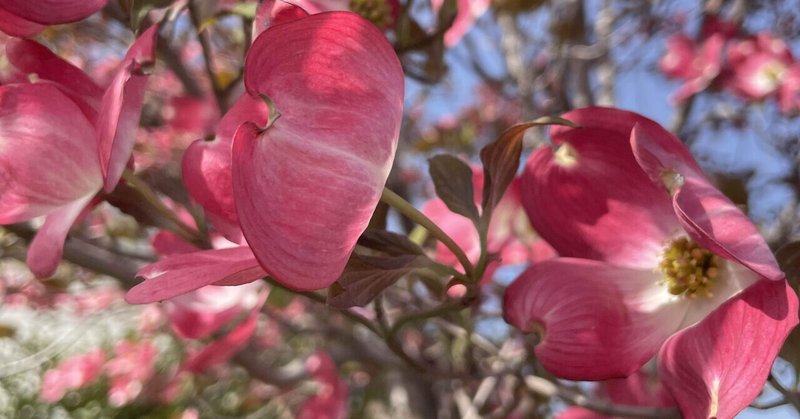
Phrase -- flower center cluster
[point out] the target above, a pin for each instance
(376, 11)
(689, 270)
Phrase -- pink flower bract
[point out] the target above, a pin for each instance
(654, 260)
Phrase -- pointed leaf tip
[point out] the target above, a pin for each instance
(452, 179)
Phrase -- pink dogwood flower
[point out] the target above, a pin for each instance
(338, 87)
(59, 122)
(758, 66)
(468, 12)
(698, 64)
(27, 18)
(330, 400)
(72, 374)
(132, 366)
(654, 260)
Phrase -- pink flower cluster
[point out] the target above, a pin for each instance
(127, 372)
(753, 67)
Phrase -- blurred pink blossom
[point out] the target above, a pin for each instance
(71, 374)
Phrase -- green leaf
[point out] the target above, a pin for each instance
(392, 244)
(365, 277)
(501, 160)
(452, 179)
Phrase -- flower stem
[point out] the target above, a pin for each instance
(404, 207)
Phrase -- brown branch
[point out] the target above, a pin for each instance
(547, 388)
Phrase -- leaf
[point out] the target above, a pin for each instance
(788, 258)
(452, 179)
(392, 244)
(501, 160)
(365, 277)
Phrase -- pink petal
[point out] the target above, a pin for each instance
(677, 62)
(468, 12)
(17, 26)
(122, 107)
(167, 243)
(273, 12)
(306, 187)
(716, 368)
(40, 128)
(707, 215)
(223, 349)
(47, 247)
(207, 164)
(31, 57)
(52, 12)
(204, 311)
(179, 274)
(599, 321)
(603, 206)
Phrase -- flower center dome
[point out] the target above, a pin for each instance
(689, 269)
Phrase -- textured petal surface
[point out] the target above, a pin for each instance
(306, 187)
(40, 128)
(52, 12)
(707, 215)
(179, 274)
(207, 164)
(17, 26)
(121, 109)
(31, 57)
(47, 247)
(716, 368)
(587, 202)
(599, 321)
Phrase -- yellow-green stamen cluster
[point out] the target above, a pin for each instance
(689, 270)
(376, 11)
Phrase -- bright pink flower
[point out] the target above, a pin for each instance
(698, 64)
(654, 260)
(61, 120)
(42, 128)
(330, 401)
(468, 12)
(758, 66)
(26, 18)
(132, 366)
(510, 236)
(71, 374)
(322, 163)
